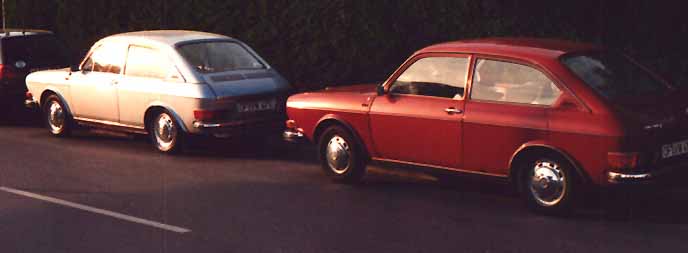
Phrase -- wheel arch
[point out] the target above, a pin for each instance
(529, 150)
(330, 120)
(153, 109)
(47, 92)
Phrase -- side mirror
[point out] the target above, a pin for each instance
(381, 90)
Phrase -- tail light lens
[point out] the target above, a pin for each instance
(623, 161)
(205, 115)
(7, 72)
(28, 95)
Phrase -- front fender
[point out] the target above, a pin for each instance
(319, 127)
(60, 94)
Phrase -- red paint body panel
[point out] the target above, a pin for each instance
(486, 136)
(417, 129)
(494, 131)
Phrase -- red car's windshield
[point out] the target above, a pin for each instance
(613, 75)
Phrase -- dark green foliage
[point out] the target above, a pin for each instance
(338, 41)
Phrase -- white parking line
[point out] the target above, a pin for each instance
(96, 210)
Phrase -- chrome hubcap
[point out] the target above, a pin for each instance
(338, 154)
(165, 131)
(547, 183)
(56, 117)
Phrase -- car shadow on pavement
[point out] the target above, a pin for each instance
(665, 204)
(20, 117)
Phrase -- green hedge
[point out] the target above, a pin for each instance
(316, 43)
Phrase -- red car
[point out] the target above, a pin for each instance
(550, 116)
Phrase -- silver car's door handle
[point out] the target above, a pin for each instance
(114, 82)
(452, 110)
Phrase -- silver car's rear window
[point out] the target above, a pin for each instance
(218, 56)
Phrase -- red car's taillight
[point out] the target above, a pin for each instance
(623, 161)
(205, 115)
(7, 72)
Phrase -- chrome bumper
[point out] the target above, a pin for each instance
(292, 135)
(622, 178)
(237, 128)
(30, 103)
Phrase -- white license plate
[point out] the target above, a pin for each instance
(675, 149)
(257, 106)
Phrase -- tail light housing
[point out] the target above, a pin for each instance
(206, 115)
(623, 161)
(7, 72)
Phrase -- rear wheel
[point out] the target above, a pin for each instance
(57, 119)
(340, 155)
(165, 133)
(548, 185)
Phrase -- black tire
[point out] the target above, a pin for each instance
(169, 139)
(56, 117)
(348, 167)
(548, 185)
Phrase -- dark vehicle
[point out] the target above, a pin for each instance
(22, 52)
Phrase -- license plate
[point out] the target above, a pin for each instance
(257, 106)
(675, 149)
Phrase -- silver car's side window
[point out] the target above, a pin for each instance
(106, 58)
(435, 77)
(147, 62)
(514, 83)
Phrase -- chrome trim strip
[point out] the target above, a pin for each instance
(109, 123)
(441, 167)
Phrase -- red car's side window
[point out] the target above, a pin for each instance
(514, 83)
(434, 76)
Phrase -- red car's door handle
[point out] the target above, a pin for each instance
(452, 110)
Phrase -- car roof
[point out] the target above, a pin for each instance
(167, 37)
(532, 48)
(5, 33)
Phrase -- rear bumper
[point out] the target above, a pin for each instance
(30, 103)
(294, 136)
(623, 178)
(670, 173)
(239, 127)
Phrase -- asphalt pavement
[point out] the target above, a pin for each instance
(105, 192)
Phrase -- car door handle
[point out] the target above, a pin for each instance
(115, 82)
(452, 110)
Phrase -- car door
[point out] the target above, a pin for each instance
(508, 106)
(94, 88)
(146, 76)
(419, 119)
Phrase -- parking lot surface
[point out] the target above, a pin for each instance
(101, 192)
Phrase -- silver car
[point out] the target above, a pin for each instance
(168, 84)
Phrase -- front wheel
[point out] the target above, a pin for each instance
(340, 155)
(57, 119)
(548, 185)
(165, 133)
